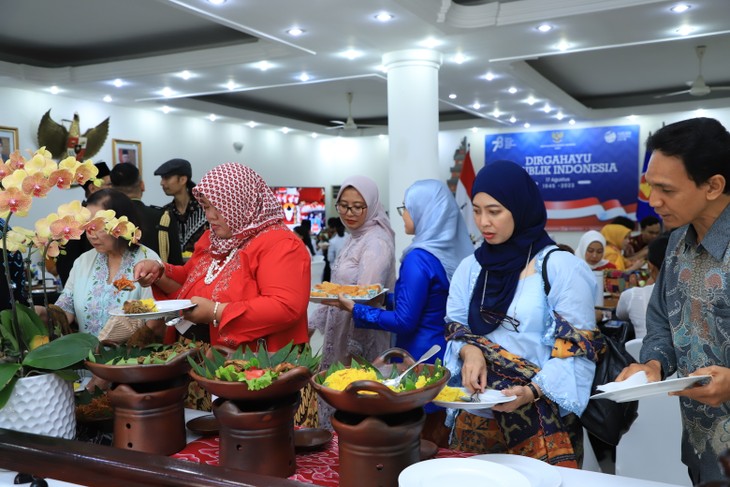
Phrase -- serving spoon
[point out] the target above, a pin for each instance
(427, 355)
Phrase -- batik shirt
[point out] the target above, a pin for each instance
(688, 327)
(191, 224)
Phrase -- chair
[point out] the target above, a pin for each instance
(651, 449)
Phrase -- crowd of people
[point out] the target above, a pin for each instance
(226, 248)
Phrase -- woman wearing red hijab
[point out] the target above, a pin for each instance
(249, 274)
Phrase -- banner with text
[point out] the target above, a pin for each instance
(586, 176)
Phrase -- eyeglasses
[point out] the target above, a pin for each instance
(491, 317)
(342, 209)
(400, 209)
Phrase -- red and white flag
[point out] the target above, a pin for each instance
(463, 196)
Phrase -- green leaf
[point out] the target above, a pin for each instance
(282, 355)
(30, 322)
(62, 352)
(199, 369)
(6, 391)
(7, 372)
(6, 329)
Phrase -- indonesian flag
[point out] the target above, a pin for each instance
(463, 196)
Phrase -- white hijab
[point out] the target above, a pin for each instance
(588, 238)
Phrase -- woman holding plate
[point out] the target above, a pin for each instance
(504, 332)
(249, 275)
(367, 257)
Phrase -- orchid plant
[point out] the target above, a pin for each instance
(27, 345)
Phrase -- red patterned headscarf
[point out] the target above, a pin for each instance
(245, 201)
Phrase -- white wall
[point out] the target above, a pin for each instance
(281, 159)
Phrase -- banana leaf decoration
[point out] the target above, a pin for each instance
(63, 142)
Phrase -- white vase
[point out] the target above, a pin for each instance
(41, 404)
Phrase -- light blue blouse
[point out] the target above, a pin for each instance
(88, 295)
(565, 381)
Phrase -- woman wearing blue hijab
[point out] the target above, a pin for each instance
(504, 332)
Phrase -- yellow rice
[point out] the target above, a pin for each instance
(342, 378)
(449, 394)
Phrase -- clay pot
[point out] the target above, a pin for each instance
(258, 441)
(284, 386)
(138, 374)
(150, 417)
(382, 400)
(373, 450)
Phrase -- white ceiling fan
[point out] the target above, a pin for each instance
(349, 124)
(698, 86)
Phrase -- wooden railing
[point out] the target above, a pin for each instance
(93, 465)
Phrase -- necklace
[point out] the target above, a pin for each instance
(215, 268)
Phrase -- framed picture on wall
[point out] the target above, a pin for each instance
(8, 141)
(127, 151)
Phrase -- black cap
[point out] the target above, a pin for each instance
(175, 167)
(124, 174)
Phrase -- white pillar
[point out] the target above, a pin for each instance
(413, 124)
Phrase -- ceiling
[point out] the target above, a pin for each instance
(616, 57)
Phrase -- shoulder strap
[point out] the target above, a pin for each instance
(545, 281)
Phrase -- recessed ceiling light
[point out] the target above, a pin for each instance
(526, 125)
(563, 46)
(452, 96)
(212, 117)
(285, 130)
(384, 17)
(252, 124)
(459, 58)
(55, 90)
(544, 27)
(476, 106)
(560, 116)
(547, 108)
(107, 99)
(571, 122)
(295, 32)
(430, 43)
(351, 54)
(632, 117)
(475, 129)
(304, 77)
(231, 85)
(166, 109)
(680, 7)
(263, 65)
(496, 113)
(685, 30)
(512, 119)
(314, 135)
(512, 90)
(700, 112)
(489, 76)
(167, 92)
(118, 83)
(217, 2)
(381, 136)
(185, 75)
(531, 100)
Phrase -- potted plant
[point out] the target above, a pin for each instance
(31, 350)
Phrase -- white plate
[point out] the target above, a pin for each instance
(644, 390)
(539, 474)
(487, 399)
(164, 308)
(317, 299)
(447, 472)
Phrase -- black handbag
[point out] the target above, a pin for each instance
(603, 418)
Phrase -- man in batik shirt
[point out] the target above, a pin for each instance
(688, 319)
(177, 182)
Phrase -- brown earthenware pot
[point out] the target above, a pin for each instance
(372, 398)
(285, 385)
(137, 374)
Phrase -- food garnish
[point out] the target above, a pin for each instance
(328, 289)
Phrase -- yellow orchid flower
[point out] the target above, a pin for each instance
(45, 153)
(13, 200)
(85, 172)
(76, 210)
(40, 164)
(43, 226)
(16, 241)
(15, 180)
(70, 163)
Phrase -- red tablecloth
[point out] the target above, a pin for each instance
(318, 467)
